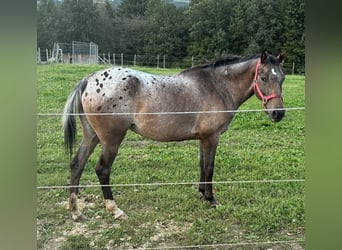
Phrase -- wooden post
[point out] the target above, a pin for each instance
(158, 61)
(121, 59)
(293, 68)
(192, 61)
(47, 55)
(114, 59)
(108, 57)
(135, 60)
(38, 56)
(164, 62)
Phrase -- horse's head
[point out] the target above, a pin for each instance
(267, 84)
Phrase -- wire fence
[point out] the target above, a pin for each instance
(293, 243)
(170, 183)
(121, 59)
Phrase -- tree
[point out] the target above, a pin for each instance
(294, 32)
(77, 21)
(46, 16)
(132, 8)
(107, 30)
(208, 31)
(166, 30)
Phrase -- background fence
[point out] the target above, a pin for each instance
(87, 53)
(69, 53)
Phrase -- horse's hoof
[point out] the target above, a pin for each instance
(215, 205)
(121, 216)
(79, 217)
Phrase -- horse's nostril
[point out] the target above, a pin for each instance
(277, 115)
(274, 113)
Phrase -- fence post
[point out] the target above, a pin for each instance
(164, 62)
(158, 61)
(121, 59)
(114, 59)
(38, 56)
(135, 60)
(192, 61)
(109, 57)
(293, 65)
(47, 55)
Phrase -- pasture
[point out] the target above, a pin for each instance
(253, 215)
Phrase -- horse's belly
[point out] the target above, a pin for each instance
(165, 127)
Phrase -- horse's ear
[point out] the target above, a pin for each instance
(264, 55)
(281, 57)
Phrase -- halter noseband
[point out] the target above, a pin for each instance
(256, 88)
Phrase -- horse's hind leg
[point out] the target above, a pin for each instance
(103, 170)
(86, 148)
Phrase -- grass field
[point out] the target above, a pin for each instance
(172, 215)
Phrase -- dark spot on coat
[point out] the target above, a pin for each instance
(90, 99)
(86, 93)
(120, 97)
(124, 78)
(101, 85)
(103, 94)
(110, 77)
(119, 68)
(99, 108)
(97, 84)
(114, 105)
(104, 79)
(98, 90)
(106, 74)
(133, 86)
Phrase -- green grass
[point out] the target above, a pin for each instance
(252, 149)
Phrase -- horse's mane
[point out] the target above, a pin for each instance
(225, 61)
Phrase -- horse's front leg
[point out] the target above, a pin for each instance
(103, 170)
(207, 161)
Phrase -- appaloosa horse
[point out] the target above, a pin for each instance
(165, 108)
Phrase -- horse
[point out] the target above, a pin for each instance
(190, 105)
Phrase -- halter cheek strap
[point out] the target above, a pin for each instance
(257, 91)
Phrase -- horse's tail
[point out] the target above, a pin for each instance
(72, 106)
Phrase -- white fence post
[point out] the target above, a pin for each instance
(38, 56)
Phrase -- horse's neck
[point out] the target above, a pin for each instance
(239, 86)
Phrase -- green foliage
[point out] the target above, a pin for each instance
(166, 32)
(77, 21)
(253, 148)
(206, 29)
(46, 16)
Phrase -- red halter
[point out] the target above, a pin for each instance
(256, 88)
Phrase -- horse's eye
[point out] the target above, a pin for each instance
(263, 79)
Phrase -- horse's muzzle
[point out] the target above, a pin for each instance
(276, 115)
